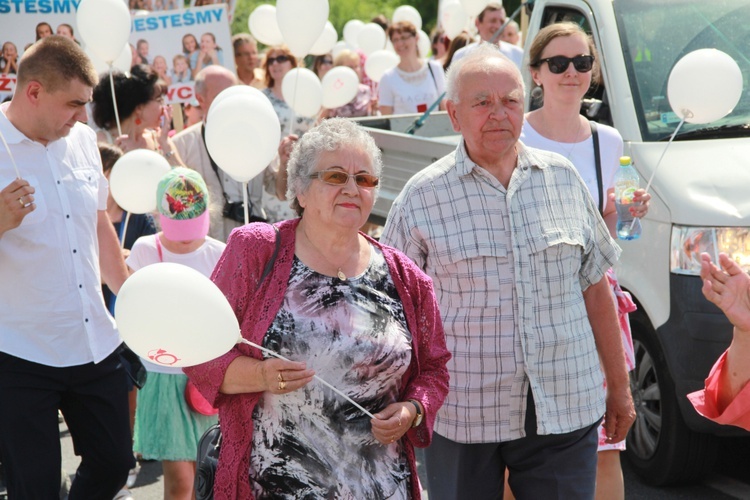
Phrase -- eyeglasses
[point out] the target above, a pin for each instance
(403, 38)
(339, 178)
(279, 59)
(559, 64)
(326, 61)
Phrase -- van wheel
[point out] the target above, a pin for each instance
(660, 446)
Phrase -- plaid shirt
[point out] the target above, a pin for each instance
(509, 267)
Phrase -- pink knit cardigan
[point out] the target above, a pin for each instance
(248, 250)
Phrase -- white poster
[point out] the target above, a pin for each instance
(175, 43)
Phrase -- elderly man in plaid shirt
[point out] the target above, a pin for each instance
(518, 254)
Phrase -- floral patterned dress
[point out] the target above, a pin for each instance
(311, 443)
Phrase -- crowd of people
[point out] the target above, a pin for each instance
(486, 325)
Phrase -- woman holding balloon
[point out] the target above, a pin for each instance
(563, 66)
(143, 118)
(279, 61)
(361, 105)
(415, 84)
(337, 304)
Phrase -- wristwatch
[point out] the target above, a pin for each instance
(420, 415)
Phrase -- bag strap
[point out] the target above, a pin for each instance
(598, 162)
(429, 66)
(215, 168)
(272, 260)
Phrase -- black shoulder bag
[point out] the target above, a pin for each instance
(210, 443)
(598, 161)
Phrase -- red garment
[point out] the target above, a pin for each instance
(237, 273)
(705, 401)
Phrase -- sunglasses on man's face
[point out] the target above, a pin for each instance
(559, 64)
(279, 59)
(339, 178)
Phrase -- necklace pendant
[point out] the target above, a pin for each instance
(341, 275)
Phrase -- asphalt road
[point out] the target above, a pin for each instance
(729, 480)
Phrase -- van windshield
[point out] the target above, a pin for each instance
(657, 33)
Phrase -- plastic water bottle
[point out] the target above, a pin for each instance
(626, 183)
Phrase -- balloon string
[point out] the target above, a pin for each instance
(244, 202)
(275, 355)
(124, 230)
(12, 160)
(114, 100)
(658, 163)
(294, 100)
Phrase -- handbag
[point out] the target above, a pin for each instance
(196, 402)
(210, 443)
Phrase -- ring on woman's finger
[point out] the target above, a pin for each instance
(280, 377)
(282, 385)
(20, 200)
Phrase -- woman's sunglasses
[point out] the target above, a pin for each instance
(558, 64)
(279, 59)
(339, 178)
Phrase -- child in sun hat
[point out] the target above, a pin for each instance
(166, 428)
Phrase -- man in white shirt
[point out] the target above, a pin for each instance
(488, 22)
(221, 187)
(57, 341)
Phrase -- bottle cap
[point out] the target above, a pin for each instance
(624, 160)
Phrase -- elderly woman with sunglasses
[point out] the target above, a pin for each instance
(278, 62)
(563, 65)
(336, 304)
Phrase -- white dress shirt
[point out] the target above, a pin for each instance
(51, 306)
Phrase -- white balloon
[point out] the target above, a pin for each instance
(104, 27)
(379, 62)
(389, 46)
(175, 316)
(122, 63)
(340, 86)
(474, 7)
(704, 86)
(408, 13)
(339, 47)
(245, 90)
(134, 179)
(453, 19)
(371, 38)
(263, 25)
(301, 23)
(302, 91)
(423, 43)
(326, 41)
(351, 30)
(242, 134)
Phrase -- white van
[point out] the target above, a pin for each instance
(701, 195)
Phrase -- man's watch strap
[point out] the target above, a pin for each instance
(418, 419)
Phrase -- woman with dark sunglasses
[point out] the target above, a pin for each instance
(336, 304)
(563, 66)
(278, 62)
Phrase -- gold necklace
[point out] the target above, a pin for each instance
(339, 273)
(575, 143)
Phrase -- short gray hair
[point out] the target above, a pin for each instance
(479, 54)
(333, 134)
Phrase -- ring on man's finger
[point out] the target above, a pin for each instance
(282, 385)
